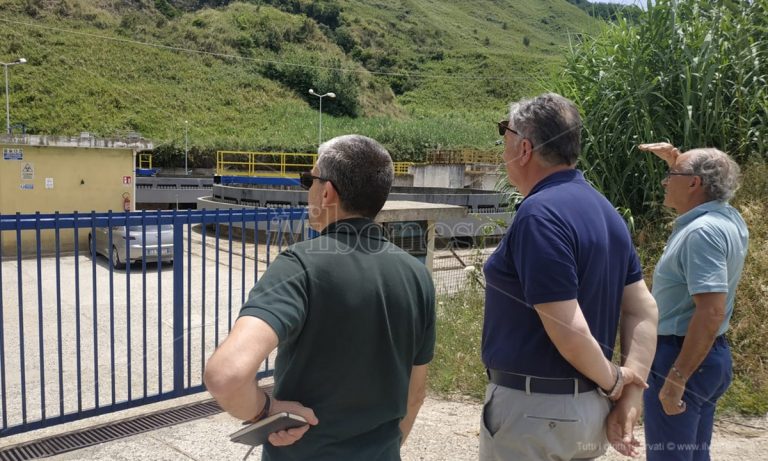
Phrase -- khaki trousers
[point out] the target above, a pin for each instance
(516, 426)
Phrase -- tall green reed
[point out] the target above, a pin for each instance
(687, 72)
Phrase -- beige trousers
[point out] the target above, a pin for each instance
(516, 426)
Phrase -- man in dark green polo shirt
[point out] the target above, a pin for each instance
(352, 316)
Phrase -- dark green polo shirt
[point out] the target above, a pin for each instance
(353, 314)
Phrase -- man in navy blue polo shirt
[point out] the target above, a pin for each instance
(557, 285)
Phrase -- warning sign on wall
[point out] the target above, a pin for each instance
(27, 171)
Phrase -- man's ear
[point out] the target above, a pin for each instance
(330, 195)
(695, 180)
(527, 154)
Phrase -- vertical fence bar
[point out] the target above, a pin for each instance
(216, 292)
(269, 234)
(92, 244)
(40, 331)
(243, 235)
(159, 317)
(57, 241)
(112, 262)
(22, 352)
(78, 358)
(128, 348)
(204, 231)
(189, 298)
(178, 304)
(256, 248)
(144, 352)
(229, 302)
(3, 392)
(280, 223)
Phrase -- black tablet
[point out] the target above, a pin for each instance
(257, 433)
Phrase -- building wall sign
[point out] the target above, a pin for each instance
(13, 153)
(27, 172)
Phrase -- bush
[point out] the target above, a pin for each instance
(456, 367)
(689, 72)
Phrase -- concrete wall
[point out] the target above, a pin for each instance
(47, 179)
(482, 180)
(447, 176)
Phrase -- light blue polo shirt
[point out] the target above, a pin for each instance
(704, 254)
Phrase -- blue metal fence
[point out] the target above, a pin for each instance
(79, 338)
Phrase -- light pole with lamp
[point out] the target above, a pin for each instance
(186, 148)
(7, 97)
(320, 124)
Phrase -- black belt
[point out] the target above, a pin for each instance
(540, 385)
(678, 340)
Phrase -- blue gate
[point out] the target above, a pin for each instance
(81, 335)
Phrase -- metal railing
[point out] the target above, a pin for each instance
(465, 156)
(79, 338)
(145, 160)
(403, 167)
(266, 164)
(274, 164)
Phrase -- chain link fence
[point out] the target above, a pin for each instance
(454, 269)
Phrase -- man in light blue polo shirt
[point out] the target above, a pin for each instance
(694, 285)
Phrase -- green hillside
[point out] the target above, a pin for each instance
(415, 74)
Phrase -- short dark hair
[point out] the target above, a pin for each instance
(361, 170)
(553, 125)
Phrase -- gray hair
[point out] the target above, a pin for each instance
(720, 174)
(361, 171)
(553, 125)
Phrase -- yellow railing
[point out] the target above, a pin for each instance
(403, 167)
(145, 160)
(273, 164)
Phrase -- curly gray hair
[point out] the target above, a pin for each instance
(719, 173)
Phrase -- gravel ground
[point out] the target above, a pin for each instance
(449, 430)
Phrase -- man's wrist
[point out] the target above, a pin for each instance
(678, 374)
(264, 411)
(618, 384)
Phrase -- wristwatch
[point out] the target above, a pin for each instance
(618, 385)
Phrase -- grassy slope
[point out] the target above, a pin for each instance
(79, 83)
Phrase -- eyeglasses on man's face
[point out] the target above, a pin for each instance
(307, 178)
(504, 127)
(677, 173)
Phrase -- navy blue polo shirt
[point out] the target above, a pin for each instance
(566, 241)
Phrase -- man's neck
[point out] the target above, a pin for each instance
(538, 173)
(336, 217)
(693, 203)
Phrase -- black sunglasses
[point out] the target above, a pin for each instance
(504, 127)
(307, 178)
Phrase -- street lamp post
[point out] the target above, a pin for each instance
(186, 148)
(320, 124)
(7, 97)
